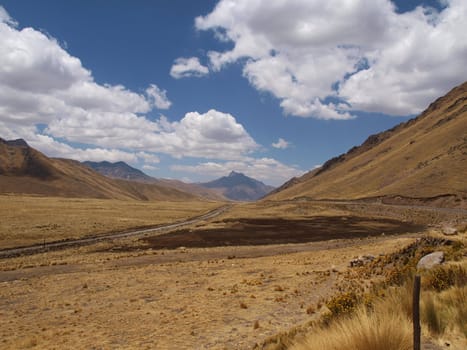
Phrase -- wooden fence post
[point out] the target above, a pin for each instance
(416, 313)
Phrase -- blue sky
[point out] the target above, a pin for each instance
(195, 89)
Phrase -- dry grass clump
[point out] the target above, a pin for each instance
(453, 309)
(384, 328)
(444, 303)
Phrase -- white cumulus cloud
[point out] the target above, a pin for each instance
(48, 98)
(41, 84)
(310, 54)
(188, 67)
(5, 17)
(158, 96)
(281, 144)
(213, 134)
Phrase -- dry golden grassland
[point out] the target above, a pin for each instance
(287, 210)
(28, 220)
(296, 209)
(178, 299)
(121, 294)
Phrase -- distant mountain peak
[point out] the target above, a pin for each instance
(119, 170)
(239, 176)
(18, 159)
(15, 143)
(238, 186)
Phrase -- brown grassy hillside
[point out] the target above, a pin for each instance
(24, 170)
(424, 157)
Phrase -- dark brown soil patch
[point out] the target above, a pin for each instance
(280, 231)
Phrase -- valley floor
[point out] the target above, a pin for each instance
(135, 294)
(196, 298)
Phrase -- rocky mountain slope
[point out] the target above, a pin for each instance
(423, 160)
(119, 170)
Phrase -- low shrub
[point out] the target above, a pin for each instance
(342, 304)
(442, 278)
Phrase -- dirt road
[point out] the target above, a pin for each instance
(46, 246)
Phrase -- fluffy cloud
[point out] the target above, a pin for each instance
(213, 134)
(158, 96)
(281, 144)
(47, 95)
(40, 82)
(188, 67)
(267, 170)
(363, 53)
(5, 18)
(48, 98)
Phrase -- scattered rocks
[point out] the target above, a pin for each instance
(431, 260)
(361, 260)
(449, 230)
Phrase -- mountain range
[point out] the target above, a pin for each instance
(24, 170)
(423, 160)
(236, 186)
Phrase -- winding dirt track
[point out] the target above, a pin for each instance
(37, 248)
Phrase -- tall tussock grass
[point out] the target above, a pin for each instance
(383, 326)
(385, 323)
(446, 311)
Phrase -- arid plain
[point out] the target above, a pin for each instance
(129, 294)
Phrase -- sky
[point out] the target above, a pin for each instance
(195, 89)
